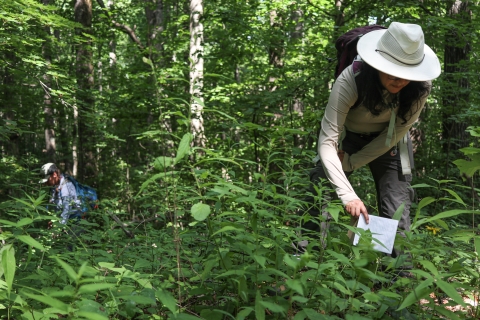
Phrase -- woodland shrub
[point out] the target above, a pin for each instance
(221, 248)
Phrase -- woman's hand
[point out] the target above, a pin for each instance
(340, 154)
(356, 207)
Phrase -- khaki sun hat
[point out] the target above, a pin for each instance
(47, 169)
(400, 51)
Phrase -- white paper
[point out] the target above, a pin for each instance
(382, 229)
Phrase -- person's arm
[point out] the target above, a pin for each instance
(342, 97)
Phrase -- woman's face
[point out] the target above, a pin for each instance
(391, 83)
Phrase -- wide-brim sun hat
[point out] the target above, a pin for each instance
(400, 51)
(47, 169)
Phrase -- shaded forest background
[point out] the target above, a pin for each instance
(175, 110)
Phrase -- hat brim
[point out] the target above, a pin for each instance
(428, 69)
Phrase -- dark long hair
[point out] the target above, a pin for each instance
(370, 92)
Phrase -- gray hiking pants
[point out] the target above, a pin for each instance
(392, 187)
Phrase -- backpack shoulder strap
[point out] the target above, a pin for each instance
(357, 68)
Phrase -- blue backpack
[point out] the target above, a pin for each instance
(86, 194)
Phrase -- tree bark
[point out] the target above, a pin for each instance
(85, 85)
(50, 146)
(196, 72)
(456, 96)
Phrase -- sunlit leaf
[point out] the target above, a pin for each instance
(9, 265)
(30, 241)
(70, 272)
(167, 299)
(450, 291)
(259, 308)
(200, 211)
(418, 293)
(184, 147)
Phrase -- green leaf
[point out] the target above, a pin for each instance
(91, 315)
(94, 287)
(469, 167)
(424, 202)
(447, 214)
(398, 214)
(9, 265)
(334, 211)
(163, 162)
(455, 195)
(228, 228)
(450, 291)
(292, 263)
(260, 260)
(200, 211)
(70, 272)
(62, 307)
(470, 150)
(30, 241)
(184, 147)
(259, 308)
(186, 316)
(167, 299)
(147, 61)
(24, 222)
(137, 299)
(8, 223)
(273, 307)
(418, 293)
(91, 309)
(371, 296)
(295, 285)
(244, 313)
(429, 266)
(422, 185)
(477, 245)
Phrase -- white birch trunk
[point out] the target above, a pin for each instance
(196, 72)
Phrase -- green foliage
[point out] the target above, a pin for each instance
(225, 251)
(214, 225)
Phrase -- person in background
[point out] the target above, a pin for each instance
(63, 193)
(394, 68)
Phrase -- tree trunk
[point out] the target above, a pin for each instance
(50, 146)
(297, 104)
(456, 96)
(196, 72)
(85, 85)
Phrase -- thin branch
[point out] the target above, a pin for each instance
(421, 5)
(122, 225)
(126, 29)
(325, 12)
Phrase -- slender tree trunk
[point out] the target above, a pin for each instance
(456, 97)
(50, 146)
(297, 37)
(196, 72)
(9, 103)
(85, 85)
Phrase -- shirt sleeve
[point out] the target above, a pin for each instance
(342, 97)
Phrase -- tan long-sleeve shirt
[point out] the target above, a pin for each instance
(338, 117)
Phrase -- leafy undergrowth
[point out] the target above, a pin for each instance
(218, 248)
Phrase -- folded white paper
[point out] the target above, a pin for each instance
(382, 229)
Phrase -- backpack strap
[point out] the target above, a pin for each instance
(357, 65)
